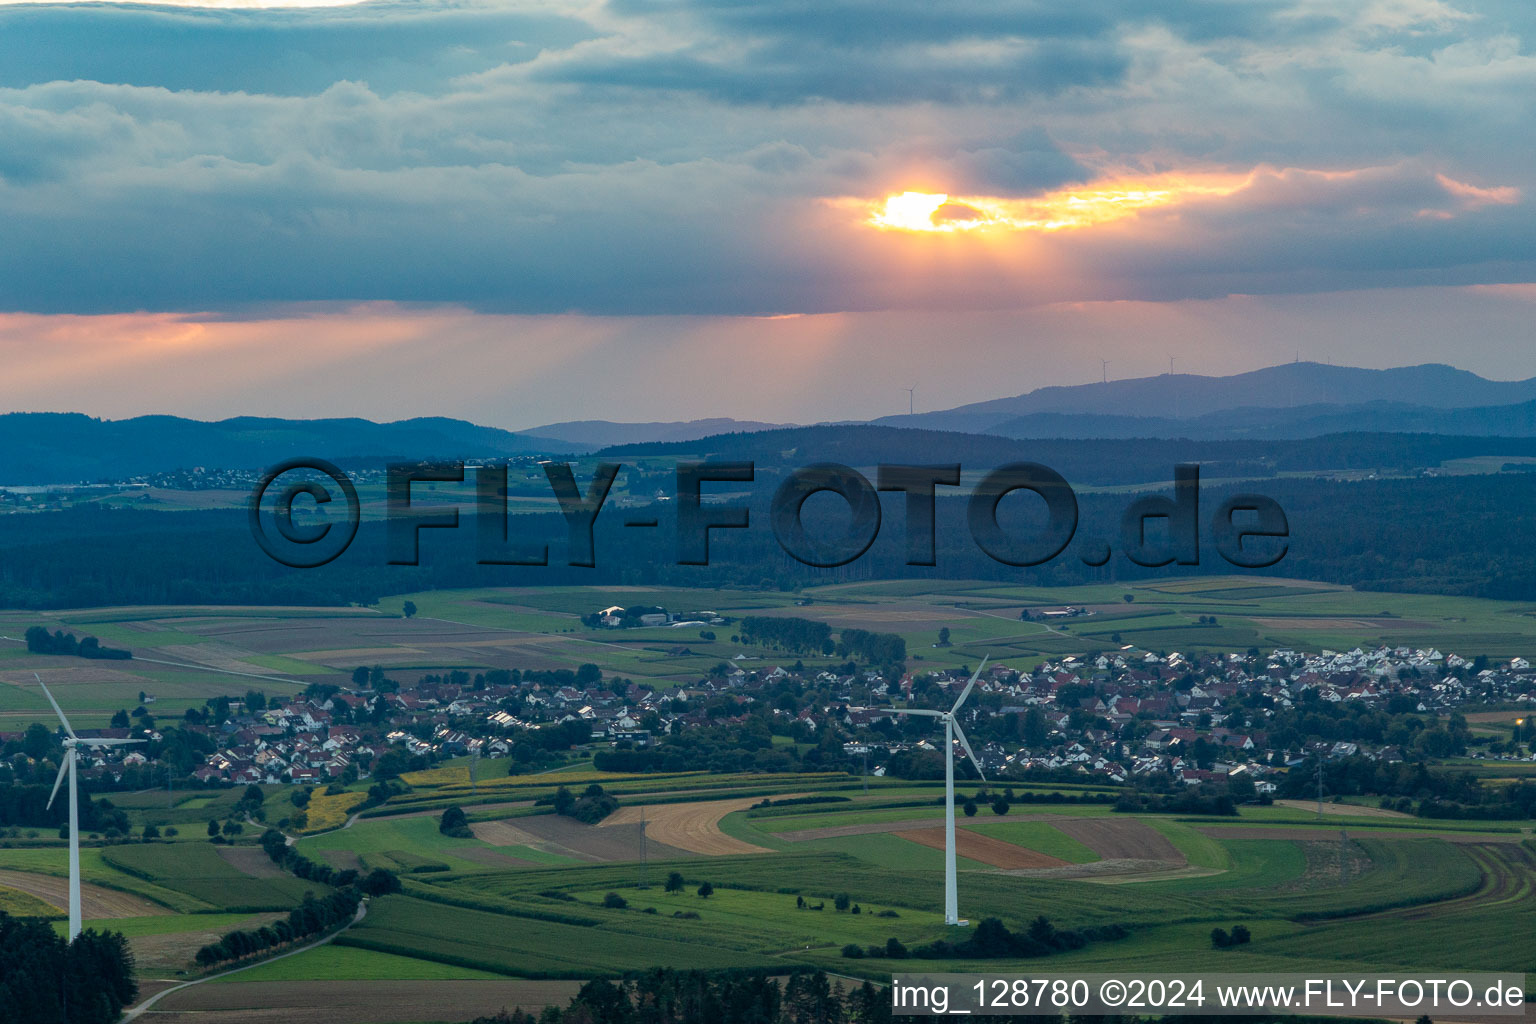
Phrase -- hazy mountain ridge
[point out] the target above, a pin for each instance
(72, 447)
(1288, 402)
(1292, 400)
(604, 433)
(1287, 386)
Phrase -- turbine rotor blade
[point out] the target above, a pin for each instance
(919, 711)
(56, 709)
(108, 742)
(967, 691)
(63, 770)
(966, 745)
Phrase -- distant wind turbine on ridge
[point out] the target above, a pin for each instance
(911, 401)
(72, 743)
(952, 732)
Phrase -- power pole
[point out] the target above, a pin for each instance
(642, 848)
(474, 770)
(1343, 857)
(1319, 788)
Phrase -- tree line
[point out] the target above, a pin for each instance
(45, 980)
(40, 641)
(1424, 534)
(313, 916)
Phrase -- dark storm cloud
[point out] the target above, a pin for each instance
(680, 157)
(390, 45)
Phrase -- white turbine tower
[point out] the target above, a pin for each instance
(71, 744)
(952, 732)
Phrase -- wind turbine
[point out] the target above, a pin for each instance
(952, 732)
(911, 399)
(72, 743)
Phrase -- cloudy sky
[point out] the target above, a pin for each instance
(661, 209)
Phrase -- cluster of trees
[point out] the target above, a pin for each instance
(313, 916)
(590, 808)
(28, 806)
(1414, 788)
(44, 980)
(377, 882)
(872, 648)
(40, 641)
(795, 635)
(1223, 939)
(455, 823)
(667, 996)
(736, 747)
(1186, 802)
(992, 939)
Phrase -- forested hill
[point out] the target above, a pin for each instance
(42, 447)
(1453, 535)
(1089, 462)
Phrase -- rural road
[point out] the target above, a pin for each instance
(362, 912)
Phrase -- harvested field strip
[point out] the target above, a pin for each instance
(95, 901)
(985, 849)
(694, 828)
(1121, 839)
(1344, 810)
(251, 861)
(571, 840)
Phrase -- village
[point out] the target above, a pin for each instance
(1122, 716)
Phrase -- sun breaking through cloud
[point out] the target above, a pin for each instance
(1063, 209)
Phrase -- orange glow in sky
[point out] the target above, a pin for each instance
(1063, 209)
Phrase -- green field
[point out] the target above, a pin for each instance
(356, 964)
(1398, 893)
(200, 871)
(541, 627)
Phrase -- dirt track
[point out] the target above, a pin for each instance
(95, 901)
(983, 849)
(1302, 832)
(691, 827)
(356, 1002)
(804, 835)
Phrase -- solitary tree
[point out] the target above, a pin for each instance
(706, 890)
(674, 882)
(410, 609)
